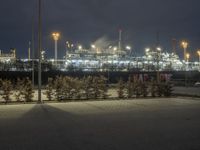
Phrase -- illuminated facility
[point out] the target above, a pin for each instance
(107, 58)
(7, 57)
(115, 60)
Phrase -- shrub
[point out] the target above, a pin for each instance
(153, 89)
(144, 89)
(168, 89)
(28, 90)
(6, 86)
(95, 87)
(19, 89)
(137, 88)
(130, 88)
(121, 88)
(58, 84)
(88, 87)
(103, 87)
(49, 89)
(76, 88)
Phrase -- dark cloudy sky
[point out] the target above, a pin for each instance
(85, 21)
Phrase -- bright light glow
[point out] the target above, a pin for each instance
(115, 48)
(128, 47)
(93, 46)
(56, 36)
(147, 50)
(184, 44)
(98, 51)
(159, 49)
(187, 56)
(149, 56)
(198, 52)
(80, 47)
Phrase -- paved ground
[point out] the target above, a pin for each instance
(189, 91)
(159, 124)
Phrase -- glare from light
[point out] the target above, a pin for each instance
(110, 47)
(56, 36)
(198, 52)
(147, 50)
(184, 44)
(128, 47)
(115, 48)
(159, 49)
(80, 47)
(187, 56)
(93, 46)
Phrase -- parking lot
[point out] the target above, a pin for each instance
(153, 124)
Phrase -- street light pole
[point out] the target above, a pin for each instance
(33, 55)
(29, 51)
(198, 52)
(185, 46)
(39, 51)
(56, 37)
(187, 56)
(158, 49)
(56, 51)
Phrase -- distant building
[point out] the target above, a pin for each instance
(8, 57)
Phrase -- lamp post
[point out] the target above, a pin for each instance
(39, 51)
(68, 46)
(184, 44)
(187, 56)
(29, 51)
(198, 52)
(147, 56)
(128, 48)
(80, 48)
(56, 36)
(93, 47)
(158, 49)
(187, 59)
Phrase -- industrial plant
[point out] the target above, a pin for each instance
(102, 58)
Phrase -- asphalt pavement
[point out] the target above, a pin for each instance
(143, 124)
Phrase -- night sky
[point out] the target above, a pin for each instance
(85, 21)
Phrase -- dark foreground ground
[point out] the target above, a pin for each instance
(159, 124)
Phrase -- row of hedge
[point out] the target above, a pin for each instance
(91, 87)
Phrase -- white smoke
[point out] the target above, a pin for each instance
(102, 43)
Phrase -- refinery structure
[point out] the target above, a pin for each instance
(109, 58)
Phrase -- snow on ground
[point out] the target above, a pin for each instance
(190, 91)
(153, 124)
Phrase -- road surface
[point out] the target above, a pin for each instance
(151, 124)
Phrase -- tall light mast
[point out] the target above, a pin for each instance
(174, 43)
(184, 44)
(29, 51)
(39, 51)
(33, 54)
(120, 41)
(56, 36)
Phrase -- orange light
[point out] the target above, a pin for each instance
(56, 36)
